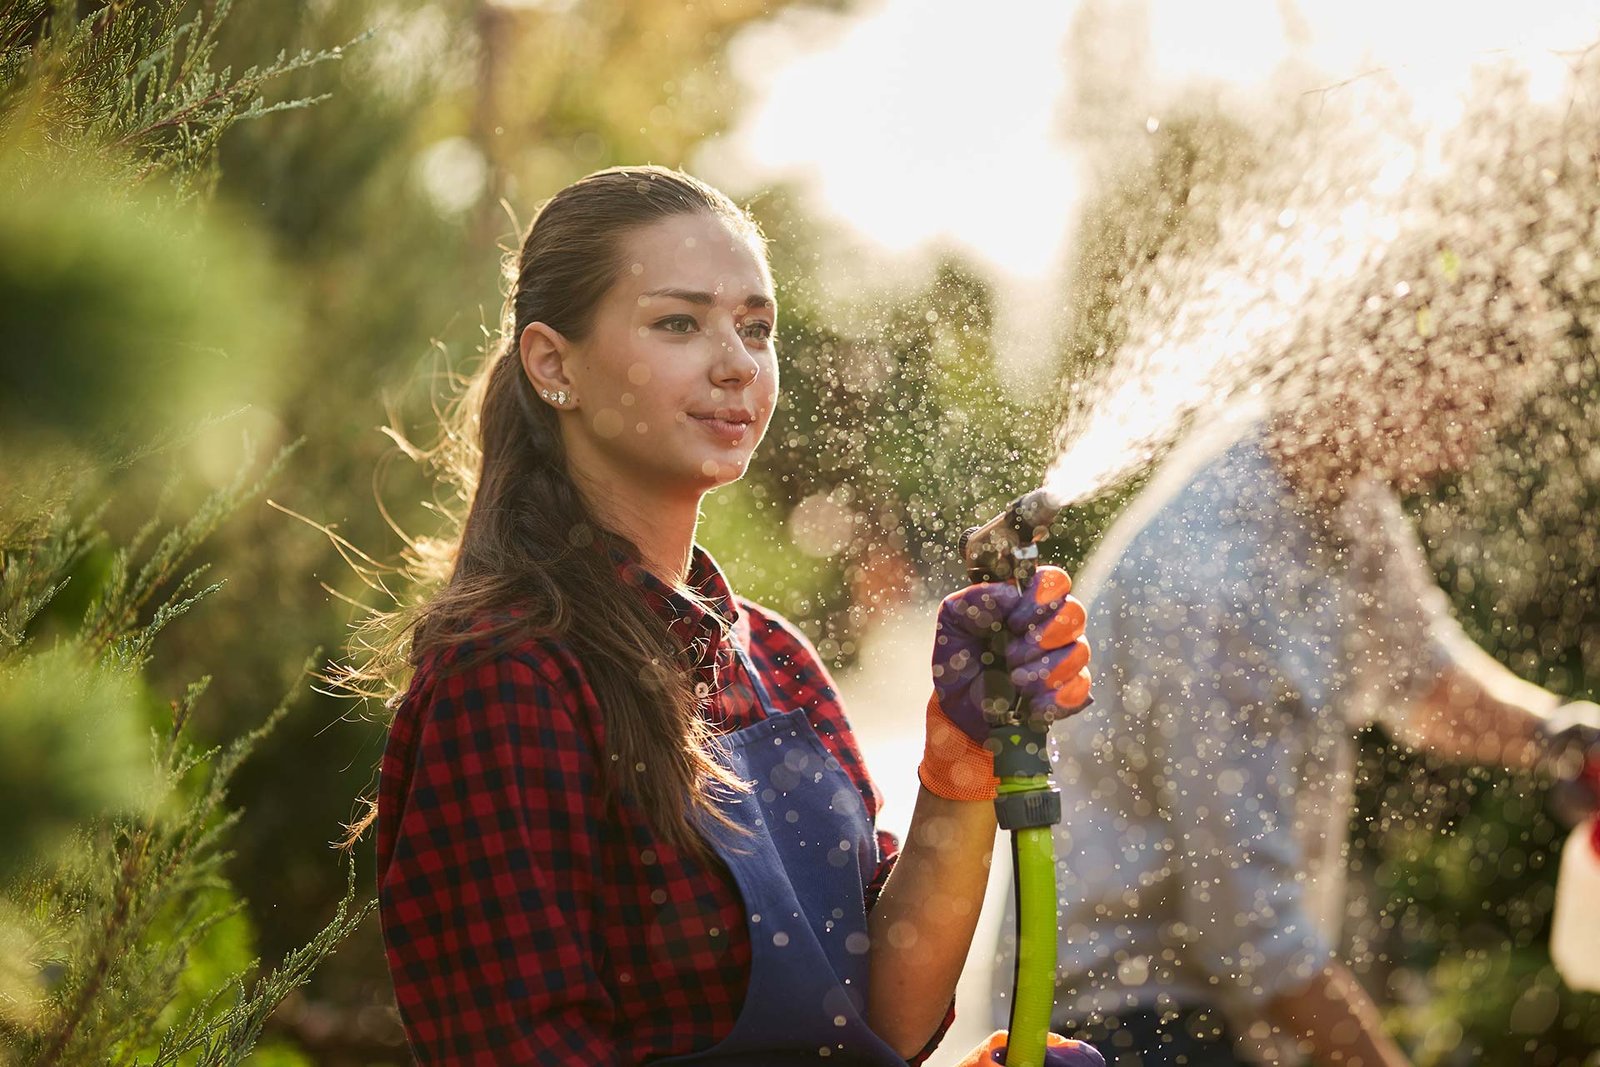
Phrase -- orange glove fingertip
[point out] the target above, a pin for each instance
(1075, 694)
(1070, 667)
(996, 1042)
(1050, 583)
(1065, 627)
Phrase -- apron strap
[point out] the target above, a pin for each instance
(765, 699)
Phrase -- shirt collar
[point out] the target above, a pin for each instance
(699, 625)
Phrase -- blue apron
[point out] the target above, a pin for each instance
(800, 872)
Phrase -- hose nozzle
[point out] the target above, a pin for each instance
(1004, 548)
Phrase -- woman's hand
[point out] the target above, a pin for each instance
(1045, 653)
(1060, 1053)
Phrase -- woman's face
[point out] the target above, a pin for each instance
(677, 379)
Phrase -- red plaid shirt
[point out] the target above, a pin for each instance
(526, 922)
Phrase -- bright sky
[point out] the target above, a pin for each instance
(915, 120)
(919, 121)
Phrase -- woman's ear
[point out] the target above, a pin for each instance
(544, 354)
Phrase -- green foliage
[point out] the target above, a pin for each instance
(1515, 545)
(53, 781)
(132, 79)
(86, 270)
(893, 433)
(1457, 877)
(1163, 202)
(1463, 916)
(109, 913)
(121, 940)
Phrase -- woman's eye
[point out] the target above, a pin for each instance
(761, 331)
(678, 324)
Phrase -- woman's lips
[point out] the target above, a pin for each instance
(726, 430)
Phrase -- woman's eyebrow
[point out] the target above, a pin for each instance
(692, 296)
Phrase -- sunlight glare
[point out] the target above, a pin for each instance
(918, 122)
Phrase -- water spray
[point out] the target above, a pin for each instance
(1006, 549)
(1359, 262)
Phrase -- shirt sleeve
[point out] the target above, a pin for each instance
(1402, 633)
(487, 894)
(1229, 794)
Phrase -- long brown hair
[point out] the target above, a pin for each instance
(530, 558)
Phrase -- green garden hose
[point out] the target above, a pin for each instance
(1026, 804)
(1033, 862)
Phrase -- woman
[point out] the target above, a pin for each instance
(621, 814)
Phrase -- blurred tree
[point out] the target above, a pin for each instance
(893, 433)
(132, 82)
(120, 933)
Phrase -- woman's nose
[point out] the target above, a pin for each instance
(734, 364)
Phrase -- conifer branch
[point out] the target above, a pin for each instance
(108, 926)
(136, 80)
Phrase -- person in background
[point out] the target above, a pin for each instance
(1262, 598)
(621, 815)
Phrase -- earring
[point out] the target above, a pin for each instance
(558, 397)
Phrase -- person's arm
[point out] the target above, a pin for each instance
(922, 926)
(488, 873)
(1419, 672)
(1336, 1022)
(1478, 711)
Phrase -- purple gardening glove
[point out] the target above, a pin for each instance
(1059, 1052)
(1071, 1054)
(1046, 653)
